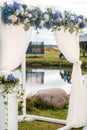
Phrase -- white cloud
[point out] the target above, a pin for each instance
(44, 35)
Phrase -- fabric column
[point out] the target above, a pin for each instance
(77, 106)
(12, 112)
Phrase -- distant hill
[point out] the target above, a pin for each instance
(50, 45)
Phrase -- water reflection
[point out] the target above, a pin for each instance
(66, 76)
(35, 77)
(38, 79)
(43, 79)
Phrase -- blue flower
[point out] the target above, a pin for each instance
(11, 78)
(75, 21)
(81, 25)
(7, 21)
(48, 25)
(24, 6)
(80, 16)
(36, 14)
(7, 10)
(16, 5)
(56, 15)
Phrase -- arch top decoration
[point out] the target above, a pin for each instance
(21, 14)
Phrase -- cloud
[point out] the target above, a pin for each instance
(44, 35)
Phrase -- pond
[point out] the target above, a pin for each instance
(38, 79)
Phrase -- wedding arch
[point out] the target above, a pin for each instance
(16, 24)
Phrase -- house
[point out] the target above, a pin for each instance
(35, 48)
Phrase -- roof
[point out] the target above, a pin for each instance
(83, 38)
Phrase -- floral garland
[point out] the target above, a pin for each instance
(8, 83)
(17, 14)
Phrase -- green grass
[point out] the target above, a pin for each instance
(51, 59)
(40, 125)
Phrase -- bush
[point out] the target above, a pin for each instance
(35, 102)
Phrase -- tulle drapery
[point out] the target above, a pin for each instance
(14, 41)
(68, 44)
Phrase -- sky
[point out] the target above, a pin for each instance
(77, 6)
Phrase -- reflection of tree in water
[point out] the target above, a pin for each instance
(66, 76)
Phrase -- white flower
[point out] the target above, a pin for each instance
(26, 21)
(79, 20)
(60, 19)
(26, 13)
(17, 12)
(30, 15)
(46, 17)
(11, 17)
(21, 10)
(72, 17)
(77, 26)
(42, 23)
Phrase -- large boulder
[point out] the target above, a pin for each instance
(56, 98)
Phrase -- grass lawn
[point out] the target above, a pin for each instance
(40, 125)
(40, 111)
(51, 59)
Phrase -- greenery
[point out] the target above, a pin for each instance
(51, 60)
(8, 83)
(38, 125)
(35, 102)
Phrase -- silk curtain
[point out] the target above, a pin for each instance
(14, 41)
(68, 44)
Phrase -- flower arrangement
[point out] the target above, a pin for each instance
(17, 14)
(8, 83)
(55, 19)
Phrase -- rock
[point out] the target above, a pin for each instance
(56, 98)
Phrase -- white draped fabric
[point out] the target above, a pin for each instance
(14, 41)
(68, 44)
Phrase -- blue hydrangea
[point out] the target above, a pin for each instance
(81, 25)
(16, 5)
(48, 25)
(56, 15)
(8, 21)
(11, 78)
(7, 10)
(75, 21)
(80, 16)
